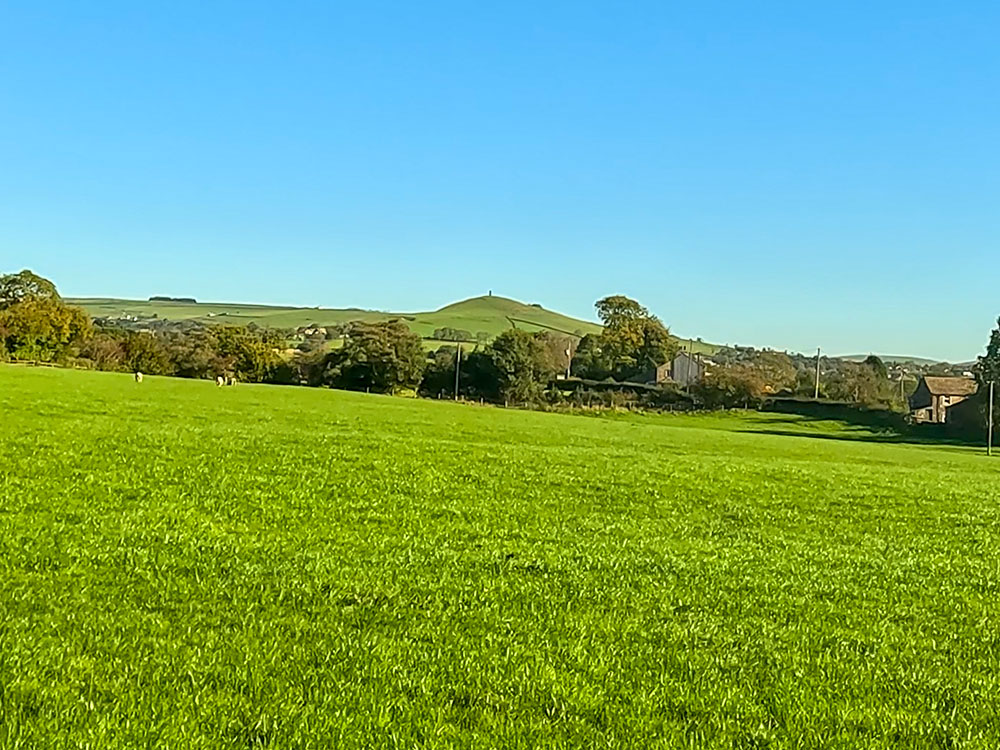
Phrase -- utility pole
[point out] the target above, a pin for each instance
(816, 394)
(690, 364)
(458, 367)
(989, 427)
(569, 360)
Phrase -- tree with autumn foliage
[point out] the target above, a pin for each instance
(35, 324)
(747, 382)
(633, 342)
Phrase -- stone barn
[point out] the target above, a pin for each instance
(684, 369)
(935, 395)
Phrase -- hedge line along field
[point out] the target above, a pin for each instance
(194, 567)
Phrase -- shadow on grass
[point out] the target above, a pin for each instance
(859, 425)
(870, 437)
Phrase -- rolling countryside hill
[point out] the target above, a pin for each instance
(487, 314)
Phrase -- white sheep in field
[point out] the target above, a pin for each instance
(138, 376)
(220, 381)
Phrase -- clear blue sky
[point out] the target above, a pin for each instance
(778, 174)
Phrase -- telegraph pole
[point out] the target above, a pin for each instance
(458, 367)
(989, 427)
(816, 394)
(690, 363)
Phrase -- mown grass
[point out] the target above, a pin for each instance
(186, 566)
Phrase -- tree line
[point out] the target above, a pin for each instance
(517, 366)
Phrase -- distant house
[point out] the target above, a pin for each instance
(687, 369)
(935, 395)
(657, 375)
(684, 369)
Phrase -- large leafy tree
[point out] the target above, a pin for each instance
(144, 353)
(739, 384)
(988, 371)
(633, 342)
(42, 328)
(439, 373)
(194, 354)
(590, 360)
(865, 383)
(854, 382)
(777, 368)
(252, 355)
(25, 286)
(383, 357)
(34, 321)
(522, 363)
(619, 311)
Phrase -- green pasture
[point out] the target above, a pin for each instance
(491, 315)
(488, 314)
(188, 566)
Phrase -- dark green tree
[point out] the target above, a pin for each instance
(619, 311)
(988, 368)
(250, 355)
(589, 360)
(451, 334)
(24, 286)
(195, 355)
(382, 357)
(439, 373)
(875, 363)
(522, 364)
(988, 371)
(143, 353)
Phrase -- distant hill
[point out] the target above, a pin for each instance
(488, 314)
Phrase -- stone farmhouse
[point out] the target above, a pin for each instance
(935, 395)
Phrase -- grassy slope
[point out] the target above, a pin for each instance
(476, 314)
(186, 566)
(489, 314)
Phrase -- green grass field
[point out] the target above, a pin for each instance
(190, 567)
